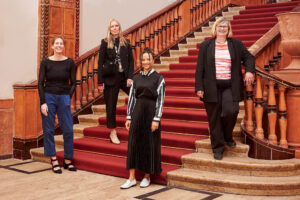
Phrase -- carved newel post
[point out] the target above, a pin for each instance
(289, 25)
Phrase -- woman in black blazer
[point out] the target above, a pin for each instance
(115, 72)
(219, 82)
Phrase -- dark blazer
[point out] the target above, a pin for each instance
(206, 69)
(110, 54)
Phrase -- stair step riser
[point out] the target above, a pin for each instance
(225, 188)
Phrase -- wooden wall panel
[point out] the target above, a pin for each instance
(58, 18)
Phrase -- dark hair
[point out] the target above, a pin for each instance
(148, 51)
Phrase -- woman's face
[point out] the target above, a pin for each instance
(147, 62)
(114, 28)
(222, 29)
(58, 46)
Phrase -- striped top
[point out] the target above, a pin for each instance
(223, 62)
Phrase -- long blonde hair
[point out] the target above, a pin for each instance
(221, 20)
(109, 37)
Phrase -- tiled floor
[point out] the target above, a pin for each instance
(35, 180)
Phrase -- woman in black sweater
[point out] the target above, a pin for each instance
(115, 72)
(56, 85)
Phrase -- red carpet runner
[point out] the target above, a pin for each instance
(184, 118)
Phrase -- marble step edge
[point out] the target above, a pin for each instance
(169, 60)
(239, 8)
(241, 165)
(236, 184)
(78, 129)
(240, 150)
(37, 154)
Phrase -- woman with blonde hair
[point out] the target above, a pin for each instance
(219, 82)
(115, 72)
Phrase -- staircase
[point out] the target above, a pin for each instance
(185, 132)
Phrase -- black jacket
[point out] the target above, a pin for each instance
(110, 54)
(206, 70)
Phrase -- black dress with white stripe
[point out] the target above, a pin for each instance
(145, 105)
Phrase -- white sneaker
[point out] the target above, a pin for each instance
(144, 183)
(128, 184)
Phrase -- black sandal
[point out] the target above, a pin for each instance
(57, 171)
(69, 166)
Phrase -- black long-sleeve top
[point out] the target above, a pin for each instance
(56, 77)
(147, 85)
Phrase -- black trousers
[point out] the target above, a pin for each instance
(222, 116)
(111, 93)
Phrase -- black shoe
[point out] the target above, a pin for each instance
(218, 156)
(57, 171)
(69, 166)
(232, 143)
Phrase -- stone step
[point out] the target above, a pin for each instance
(161, 67)
(202, 34)
(231, 13)
(178, 53)
(89, 119)
(241, 165)
(240, 150)
(37, 154)
(206, 29)
(187, 46)
(235, 8)
(195, 40)
(78, 129)
(100, 109)
(237, 184)
(169, 60)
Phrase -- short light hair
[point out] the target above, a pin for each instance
(221, 20)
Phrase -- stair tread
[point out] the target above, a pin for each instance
(239, 181)
(246, 162)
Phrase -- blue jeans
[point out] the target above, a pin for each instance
(60, 105)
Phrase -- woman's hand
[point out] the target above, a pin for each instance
(44, 109)
(249, 78)
(200, 93)
(101, 88)
(129, 81)
(154, 126)
(127, 124)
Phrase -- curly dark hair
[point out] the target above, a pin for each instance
(148, 51)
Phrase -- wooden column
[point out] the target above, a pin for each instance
(282, 117)
(259, 132)
(272, 115)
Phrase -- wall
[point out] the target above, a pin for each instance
(94, 17)
(18, 43)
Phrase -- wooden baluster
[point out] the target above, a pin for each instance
(160, 35)
(206, 9)
(249, 107)
(133, 37)
(147, 33)
(272, 115)
(259, 132)
(73, 103)
(282, 119)
(201, 12)
(95, 75)
(84, 82)
(142, 39)
(78, 86)
(193, 14)
(152, 27)
(90, 78)
(168, 29)
(164, 44)
(172, 26)
(196, 13)
(176, 24)
(156, 31)
(137, 49)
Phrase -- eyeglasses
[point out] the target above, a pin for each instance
(222, 27)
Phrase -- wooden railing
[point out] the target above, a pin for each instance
(266, 113)
(159, 32)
